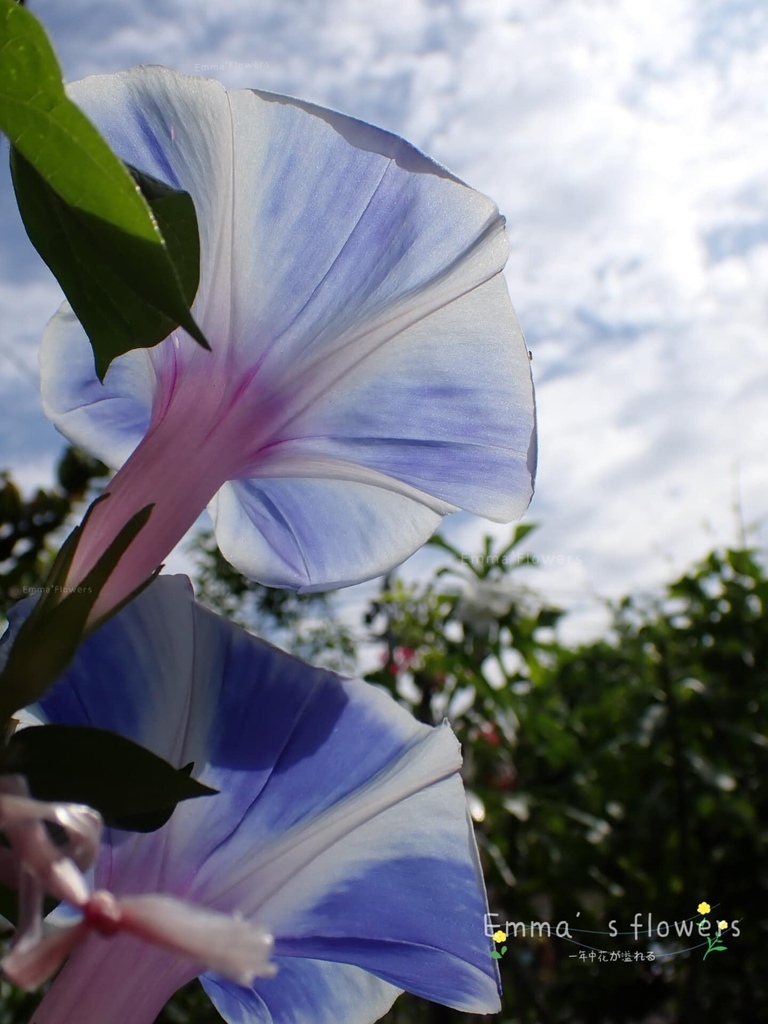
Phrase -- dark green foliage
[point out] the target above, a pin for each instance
(190, 1005)
(15, 1006)
(27, 525)
(623, 776)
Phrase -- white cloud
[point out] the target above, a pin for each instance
(623, 142)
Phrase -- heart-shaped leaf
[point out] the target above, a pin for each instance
(131, 787)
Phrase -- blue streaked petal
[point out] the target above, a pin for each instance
(107, 419)
(177, 128)
(144, 671)
(305, 992)
(338, 223)
(457, 428)
(314, 533)
(193, 687)
(399, 839)
(332, 797)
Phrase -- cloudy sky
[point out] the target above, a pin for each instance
(626, 144)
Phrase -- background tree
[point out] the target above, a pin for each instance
(29, 526)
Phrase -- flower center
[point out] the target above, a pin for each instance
(102, 913)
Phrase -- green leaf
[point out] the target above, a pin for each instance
(149, 821)
(83, 212)
(520, 533)
(175, 215)
(743, 563)
(130, 786)
(115, 283)
(438, 541)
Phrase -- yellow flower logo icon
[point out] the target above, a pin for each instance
(499, 936)
(714, 942)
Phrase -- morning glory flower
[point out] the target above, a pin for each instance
(367, 374)
(340, 830)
